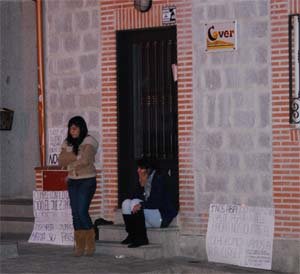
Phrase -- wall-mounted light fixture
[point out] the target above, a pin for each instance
(6, 118)
(142, 5)
(294, 69)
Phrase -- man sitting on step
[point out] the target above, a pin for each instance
(151, 208)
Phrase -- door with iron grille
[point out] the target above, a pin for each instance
(147, 104)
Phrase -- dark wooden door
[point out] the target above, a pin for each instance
(147, 104)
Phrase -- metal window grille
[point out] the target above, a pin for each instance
(294, 69)
(154, 100)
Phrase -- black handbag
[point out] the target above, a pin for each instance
(100, 221)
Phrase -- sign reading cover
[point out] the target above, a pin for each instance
(52, 218)
(221, 36)
(240, 235)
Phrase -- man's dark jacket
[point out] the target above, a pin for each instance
(160, 199)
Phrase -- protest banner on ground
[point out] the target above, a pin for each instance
(53, 218)
(240, 235)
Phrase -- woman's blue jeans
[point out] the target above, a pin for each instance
(81, 192)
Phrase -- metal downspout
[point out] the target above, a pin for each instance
(41, 83)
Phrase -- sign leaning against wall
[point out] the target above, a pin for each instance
(52, 218)
(221, 36)
(56, 136)
(240, 235)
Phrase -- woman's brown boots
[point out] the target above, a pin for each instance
(90, 242)
(79, 239)
(84, 242)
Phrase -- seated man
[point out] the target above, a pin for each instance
(152, 208)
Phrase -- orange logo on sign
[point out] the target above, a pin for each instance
(220, 36)
(223, 33)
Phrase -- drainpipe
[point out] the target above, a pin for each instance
(41, 83)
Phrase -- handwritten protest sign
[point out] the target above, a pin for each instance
(240, 235)
(53, 218)
(56, 137)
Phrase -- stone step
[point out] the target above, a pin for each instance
(16, 208)
(168, 238)
(120, 221)
(15, 225)
(146, 252)
(8, 249)
(16, 216)
(118, 233)
(15, 237)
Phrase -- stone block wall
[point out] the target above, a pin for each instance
(72, 72)
(72, 63)
(232, 106)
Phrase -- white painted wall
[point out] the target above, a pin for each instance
(19, 147)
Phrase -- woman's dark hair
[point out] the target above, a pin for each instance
(75, 142)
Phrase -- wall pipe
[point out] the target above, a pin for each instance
(41, 83)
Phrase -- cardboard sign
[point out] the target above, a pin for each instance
(240, 235)
(53, 218)
(56, 136)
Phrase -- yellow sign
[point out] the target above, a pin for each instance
(221, 36)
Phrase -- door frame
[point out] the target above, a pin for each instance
(148, 33)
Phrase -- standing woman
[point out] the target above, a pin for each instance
(78, 156)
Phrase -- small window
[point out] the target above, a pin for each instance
(294, 69)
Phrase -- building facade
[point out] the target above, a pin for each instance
(236, 144)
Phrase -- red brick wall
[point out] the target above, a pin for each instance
(39, 179)
(286, 139)
(119, 15)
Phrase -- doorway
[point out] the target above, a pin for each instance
(147, 105)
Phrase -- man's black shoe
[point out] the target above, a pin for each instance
(138, 243)
(102, 221)
(127, 241)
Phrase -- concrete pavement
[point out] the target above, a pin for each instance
(41, 258)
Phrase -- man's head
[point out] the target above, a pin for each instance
(144, 169)
(144, 163)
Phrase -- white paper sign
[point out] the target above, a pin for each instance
(240, 235)
(221, 36)
(56, 136)
(53, 218)
(169, 15)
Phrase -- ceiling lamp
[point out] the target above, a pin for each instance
(142, 5)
